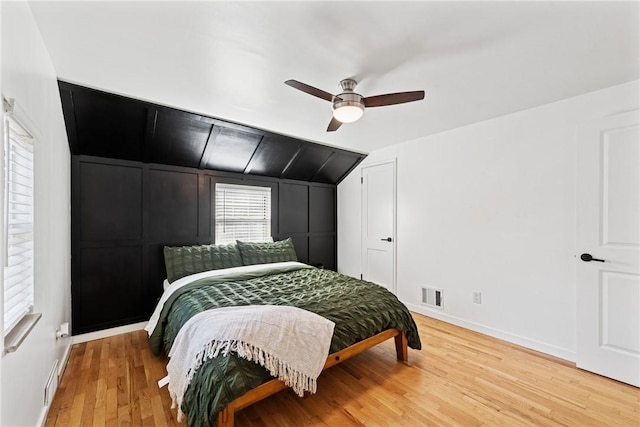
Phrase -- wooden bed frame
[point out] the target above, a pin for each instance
(227, 415)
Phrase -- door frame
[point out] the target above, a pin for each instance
(394, 163)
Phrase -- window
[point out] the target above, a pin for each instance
(243, 213)
(18, 223)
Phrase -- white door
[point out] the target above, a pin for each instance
(378, 224)
(608, 286)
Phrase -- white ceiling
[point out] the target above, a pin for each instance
(475, 60)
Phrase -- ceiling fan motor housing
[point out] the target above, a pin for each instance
(348, 85)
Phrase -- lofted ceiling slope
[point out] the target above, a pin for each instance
(475, 60)
(107, 125)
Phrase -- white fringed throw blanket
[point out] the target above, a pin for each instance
(291, 343)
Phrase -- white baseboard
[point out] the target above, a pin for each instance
(77, 339)
(64, 360)
(42, 419)
(542, 347)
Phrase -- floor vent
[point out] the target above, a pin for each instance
(432, 297)
(52, 385)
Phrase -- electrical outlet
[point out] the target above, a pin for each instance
(477, 297)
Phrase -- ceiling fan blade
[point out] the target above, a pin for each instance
(393, 98)
(334, 124)
(310, 90)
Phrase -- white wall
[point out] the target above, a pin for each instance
(29, 77)
(491, 207)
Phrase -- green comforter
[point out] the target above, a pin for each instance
(359, 310)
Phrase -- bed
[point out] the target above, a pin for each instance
(215, 276)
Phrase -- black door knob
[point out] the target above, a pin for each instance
(588, 257)
(388, 239)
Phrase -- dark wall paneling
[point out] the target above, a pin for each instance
(336, 168)
(322, 209)
(172, 205)
(307, 163)
(177, 138)
(124, 213)
(110, 202)
(230, 149)
(322, 250)
(144, 175)
(156, 272)
(294, 208)
(112, 286)
(205, 210)
(108, 125)
(301, 244)
(273, 155)
(68, 111)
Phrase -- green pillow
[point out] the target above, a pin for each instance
(181, 261)
(267, 252)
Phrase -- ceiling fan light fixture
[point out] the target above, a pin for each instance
(348, 111)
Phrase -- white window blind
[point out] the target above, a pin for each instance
(18, 222)
(243, 212)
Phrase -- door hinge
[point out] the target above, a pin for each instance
(361, 180)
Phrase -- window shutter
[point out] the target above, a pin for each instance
(18, 267)
(243, 212)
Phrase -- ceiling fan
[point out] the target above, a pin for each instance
(349, 106)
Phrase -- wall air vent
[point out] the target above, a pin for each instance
(432, 297)
(52, 385)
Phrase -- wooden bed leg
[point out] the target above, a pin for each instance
(402, 349)
(226, 417)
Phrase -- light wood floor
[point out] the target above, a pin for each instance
(459, 378)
